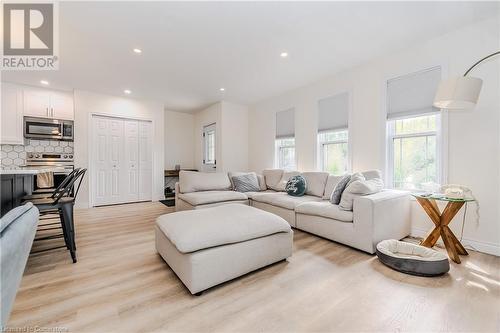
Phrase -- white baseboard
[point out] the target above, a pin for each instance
(471, 244)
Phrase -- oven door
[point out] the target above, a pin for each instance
(41, 128)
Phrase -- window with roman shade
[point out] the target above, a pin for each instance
(285, 140)
(285, 124)
(333, 115)
(414, 131)
(333, 112)
(412, 94)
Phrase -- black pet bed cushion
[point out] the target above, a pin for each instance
(412, 259)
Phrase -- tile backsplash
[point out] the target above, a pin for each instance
(14, 156)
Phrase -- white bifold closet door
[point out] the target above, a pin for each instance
(122, 160)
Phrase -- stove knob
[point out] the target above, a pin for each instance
(70, 156)
(37, 155)
(65, 156)
(30, 155)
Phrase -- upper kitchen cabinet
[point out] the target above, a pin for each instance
(11, 115)
(48, 103)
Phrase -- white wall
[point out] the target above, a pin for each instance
(208, 116)
(473, 136)
(231, 135)
(179, 140)
(87, 103)
(234, 136)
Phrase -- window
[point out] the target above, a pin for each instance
(413, 151)
(413, 131)
(333, 151)
(285, 140)
(209, 145)
(333, 148)
(285, 153)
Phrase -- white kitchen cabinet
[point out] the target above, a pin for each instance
(12, 115)
(36, 102)
(61, 105)
(48, 103)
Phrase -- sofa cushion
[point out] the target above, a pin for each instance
(250, 195)
(316, 182)
(324, 208)
(208, 197)
(191, 181)
(245, 182)
(331, 182)
(196, 230)
(262, 182)
(272, 177)
(284, 179)
(282, 199)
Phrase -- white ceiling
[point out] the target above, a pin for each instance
(190, 50)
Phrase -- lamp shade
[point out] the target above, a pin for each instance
(458, 93)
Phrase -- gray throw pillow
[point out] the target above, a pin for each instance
(339, 188)
(246, 183)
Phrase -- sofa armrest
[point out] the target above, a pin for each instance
(383, 215)
(177, 192)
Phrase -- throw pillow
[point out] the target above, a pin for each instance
(246, 183)
(296, 186)
(359, 188)
(339, 188)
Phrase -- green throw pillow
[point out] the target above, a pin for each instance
(296, 186)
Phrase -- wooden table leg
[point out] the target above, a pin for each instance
(431, 208)
(441, 221)
(449, 244)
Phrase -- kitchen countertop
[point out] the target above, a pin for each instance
(28, 171)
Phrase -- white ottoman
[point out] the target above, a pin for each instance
(209, 246)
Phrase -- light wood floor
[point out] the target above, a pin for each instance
(120, 284)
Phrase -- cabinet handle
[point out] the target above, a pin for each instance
(52, 112)
(47, 109)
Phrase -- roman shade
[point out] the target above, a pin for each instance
(333, 112)
(285, 124)
(412, 94)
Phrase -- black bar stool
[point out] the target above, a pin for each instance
(62, 204)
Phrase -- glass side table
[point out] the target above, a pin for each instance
(441, 221)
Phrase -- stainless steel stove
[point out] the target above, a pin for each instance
(62, 163)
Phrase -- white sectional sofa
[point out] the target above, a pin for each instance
(375, 217)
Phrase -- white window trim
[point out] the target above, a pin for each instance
(277, 155)
(320, 150)
(206, 129)
(441, 144)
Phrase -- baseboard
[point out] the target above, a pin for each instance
(471, 244)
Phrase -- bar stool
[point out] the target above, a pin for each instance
(62, 203)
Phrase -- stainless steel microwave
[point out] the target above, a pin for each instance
(48, 129)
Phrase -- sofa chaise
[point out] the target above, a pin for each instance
(374, 217)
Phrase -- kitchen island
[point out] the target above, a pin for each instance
(15, 184)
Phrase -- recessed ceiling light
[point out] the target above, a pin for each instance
(138, 51)
(45, 82)
(284, 54)
(222, 89)
(126, 91)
